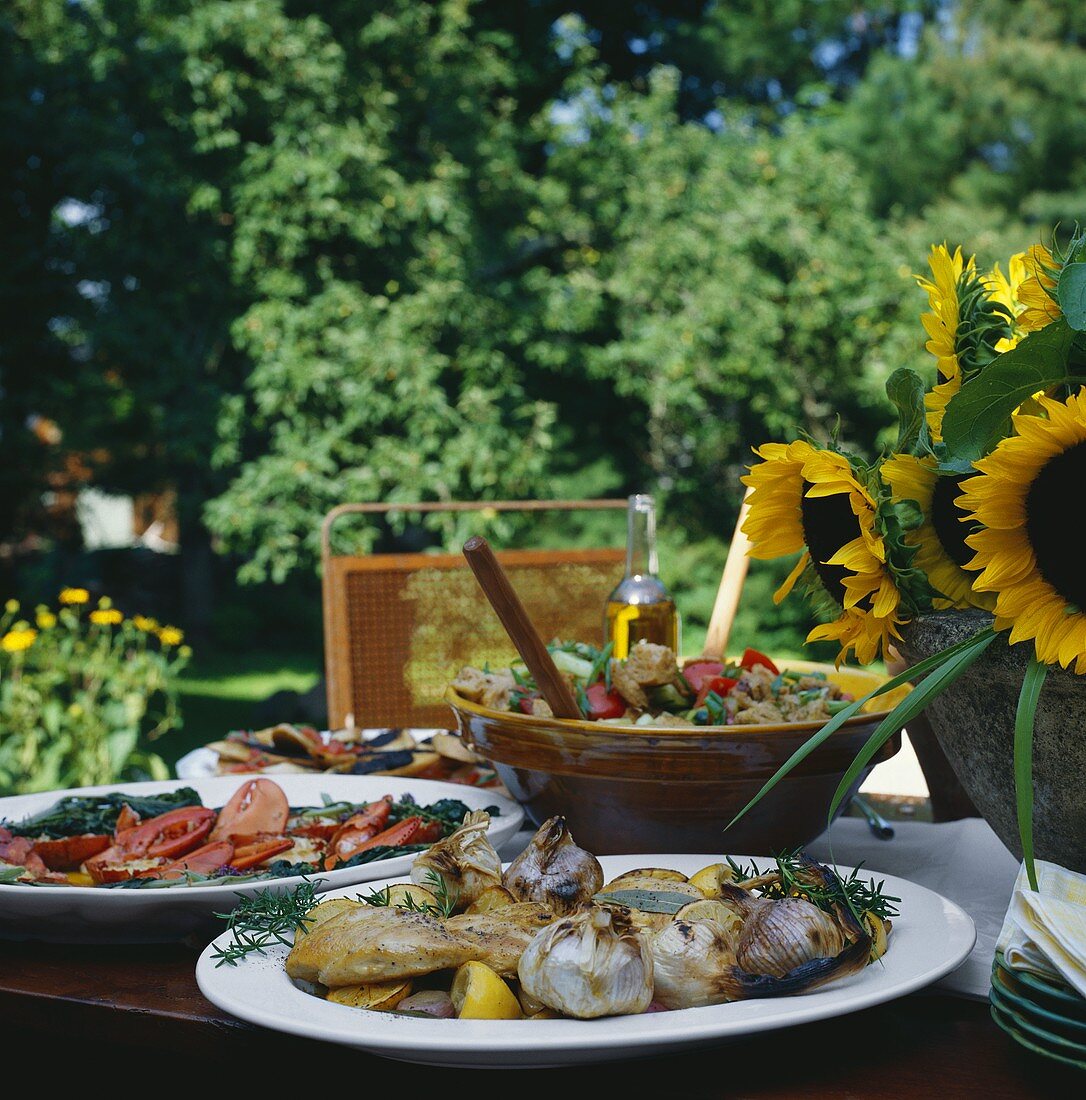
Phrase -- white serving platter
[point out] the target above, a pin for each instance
(94, 914)
(931, 937)
(203, 763)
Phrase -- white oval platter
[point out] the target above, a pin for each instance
(93, 914)
(931, 937)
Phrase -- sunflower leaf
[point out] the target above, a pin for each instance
(853, 708)
(978, 415)
(905, 388)
(909, 707)
(1023, 759)
(1071, 294)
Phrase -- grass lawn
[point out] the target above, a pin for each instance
(220, 690)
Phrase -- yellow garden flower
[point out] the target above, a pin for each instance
(1036, 292)
(106, 616)
(15, 641)
(146, 624)
(941, 324)
(810, 500)
(74, 595)
(45, 619)
(170, 635)
(1004, 290)
(11, 607)
(1026, 550)
(940, 540)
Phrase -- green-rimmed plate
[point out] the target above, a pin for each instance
(1051, 995)
(1008, 998)
(1004, 1022)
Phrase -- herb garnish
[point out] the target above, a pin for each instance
(264, 919)
(437, 886)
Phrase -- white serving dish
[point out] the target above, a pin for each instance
(931, 937)
(94, 914)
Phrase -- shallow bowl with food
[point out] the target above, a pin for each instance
(644, 788)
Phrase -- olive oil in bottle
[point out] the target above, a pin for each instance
(641, 607)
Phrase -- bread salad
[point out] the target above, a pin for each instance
(649, 688)
(172, 839)
(547, 937)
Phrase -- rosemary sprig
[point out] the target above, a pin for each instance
(263, 919)
(437, 886)
(853, 892)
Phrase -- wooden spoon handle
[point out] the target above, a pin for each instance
(731, 588)
(503, 598)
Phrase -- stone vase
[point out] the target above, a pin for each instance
(973, 721)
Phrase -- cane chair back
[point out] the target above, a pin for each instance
(398, 627)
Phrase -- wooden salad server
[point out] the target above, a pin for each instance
(498, 589)
(731, 588)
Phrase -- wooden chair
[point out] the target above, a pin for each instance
(398, 627)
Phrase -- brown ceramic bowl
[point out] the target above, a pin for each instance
(636, 789)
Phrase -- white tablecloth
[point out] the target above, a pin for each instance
(962, 860)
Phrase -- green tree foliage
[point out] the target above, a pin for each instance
(280, 255)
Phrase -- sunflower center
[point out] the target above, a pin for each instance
(947, 519)
(1050, 523)
(828, 523)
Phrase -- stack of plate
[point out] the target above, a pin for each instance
(1042, 1014)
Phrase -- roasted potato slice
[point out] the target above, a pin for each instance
(406, 895)
(378, 996)
(326, 910)
(662, 874)
(493, 897)
(452, 747)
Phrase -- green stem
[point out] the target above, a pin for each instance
(1024, 721)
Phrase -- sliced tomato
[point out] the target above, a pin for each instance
(752, 658)
(719, 684)
(412, 830)
(126, 819)
(67, 853)
(357, 829)
(256, 808)
(169, 835)
(697, 672)
(249, 855)
(204, 861)
(603, 703)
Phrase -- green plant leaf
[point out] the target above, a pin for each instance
(839, 719)
(907, 710)
(1023, 759)
(1071, 295)
(905, 388)
(648, 901)
(977, 416)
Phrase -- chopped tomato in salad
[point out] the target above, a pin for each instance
(130, 841)
(650, 688)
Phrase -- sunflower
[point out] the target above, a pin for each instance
(810, 500)
(970, 323)
(1024, 550)
(941, 324)
(1005, 291)
(941, 550)
(1036, 292)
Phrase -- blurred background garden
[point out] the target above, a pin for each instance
(264, 257)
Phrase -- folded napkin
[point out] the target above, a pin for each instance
(1045, 929)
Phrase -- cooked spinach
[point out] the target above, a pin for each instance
(78, 814)
(449, 811)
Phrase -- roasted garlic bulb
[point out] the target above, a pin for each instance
(465, 861)
(693, 964)
(588, 965)
(553, 871)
